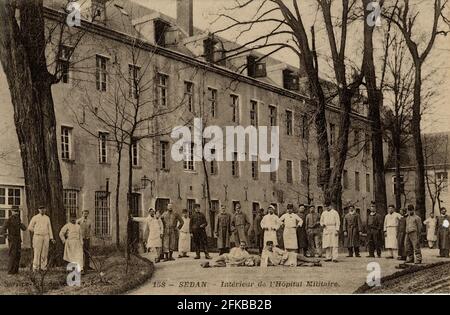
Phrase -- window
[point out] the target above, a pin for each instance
(100, 73)
(289, 123)
(272, 115)
(135, 152)
(304, 170)
(9, 196)
(162, 89)
(65, 54)
(235, 165)
(134, 78)
(356, 139)
(70, 198)
(66, 143)
(368, 182)
(103, 147)
(254, 113)
(161, 204)
(213, 51)
(235, 108)
(189, 95)
(161, 28)
(255, 167)
(213, 163)
(255, 67)
(345, 179)
(357, 188)
(290, 80)
(190, 206)
(304, 130)
(273, 174)
(401, 182)
(212, 100)
(332, 133)
(164, 147)
(102, 214)
(255, 209)
(289, 172)
(188, 162)
(442, 180)
(14, 196)
(235, 202)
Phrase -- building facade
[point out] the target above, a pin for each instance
(132, 62)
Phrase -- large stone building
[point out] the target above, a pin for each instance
(437, 163)
(132, 58)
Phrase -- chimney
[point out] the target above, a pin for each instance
(185, 16)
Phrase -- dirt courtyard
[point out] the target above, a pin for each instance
(185, 276)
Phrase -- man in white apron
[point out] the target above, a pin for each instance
(330, 222)
(184, 239)
(290, 221)
(155, 230)
(270, 224)
(391, 221)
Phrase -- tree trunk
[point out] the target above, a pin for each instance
(398, 190)
(22, 54)
(130, 200)
(375, 99)
(418, 148)
(119, 161)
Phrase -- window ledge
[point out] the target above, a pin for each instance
(70, 161)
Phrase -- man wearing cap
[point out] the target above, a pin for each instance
(413, 232)
(41, 227)
(222, 230)
(172, 221)
(290, 222)
(314, 232)
(197, 226)
(257, 230)
(12, 228)
(374, 227)
(86, 228)
(270, 224)
(330, 241)
(239, 225)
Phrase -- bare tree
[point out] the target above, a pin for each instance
(286, 30)
(404, 15)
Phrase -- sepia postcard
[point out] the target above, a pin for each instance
(224, 147)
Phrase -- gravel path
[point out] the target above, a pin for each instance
(185, 276)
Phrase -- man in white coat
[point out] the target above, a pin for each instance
(431, 223)
(72, 238)
(290, 221)
(41, 227)
(330, 222)
(155, 230)
(184, 239)
(270, 224)
(391, 222)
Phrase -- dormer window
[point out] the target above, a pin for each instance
(290, 80)
(161, 28)
(255, 68)
(213, 51)
(98, 10)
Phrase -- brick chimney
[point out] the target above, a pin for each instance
(185, 16)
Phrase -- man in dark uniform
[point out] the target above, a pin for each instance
(401, 235)
(442, 232)
(302, 237)
(374, 227)
(172, 222)
(12, 228)
(222, 230)
(197, 226)
(352, 227)
(258, 231)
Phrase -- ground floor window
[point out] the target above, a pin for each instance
(102, 214)
(161, 204)
(9, 196)
(71, 202)
(190, 206)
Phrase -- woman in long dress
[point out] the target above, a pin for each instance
(72, 239)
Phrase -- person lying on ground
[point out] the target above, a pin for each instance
(237, 257)
(274, 256)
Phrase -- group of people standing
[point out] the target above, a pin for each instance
(75, 236)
